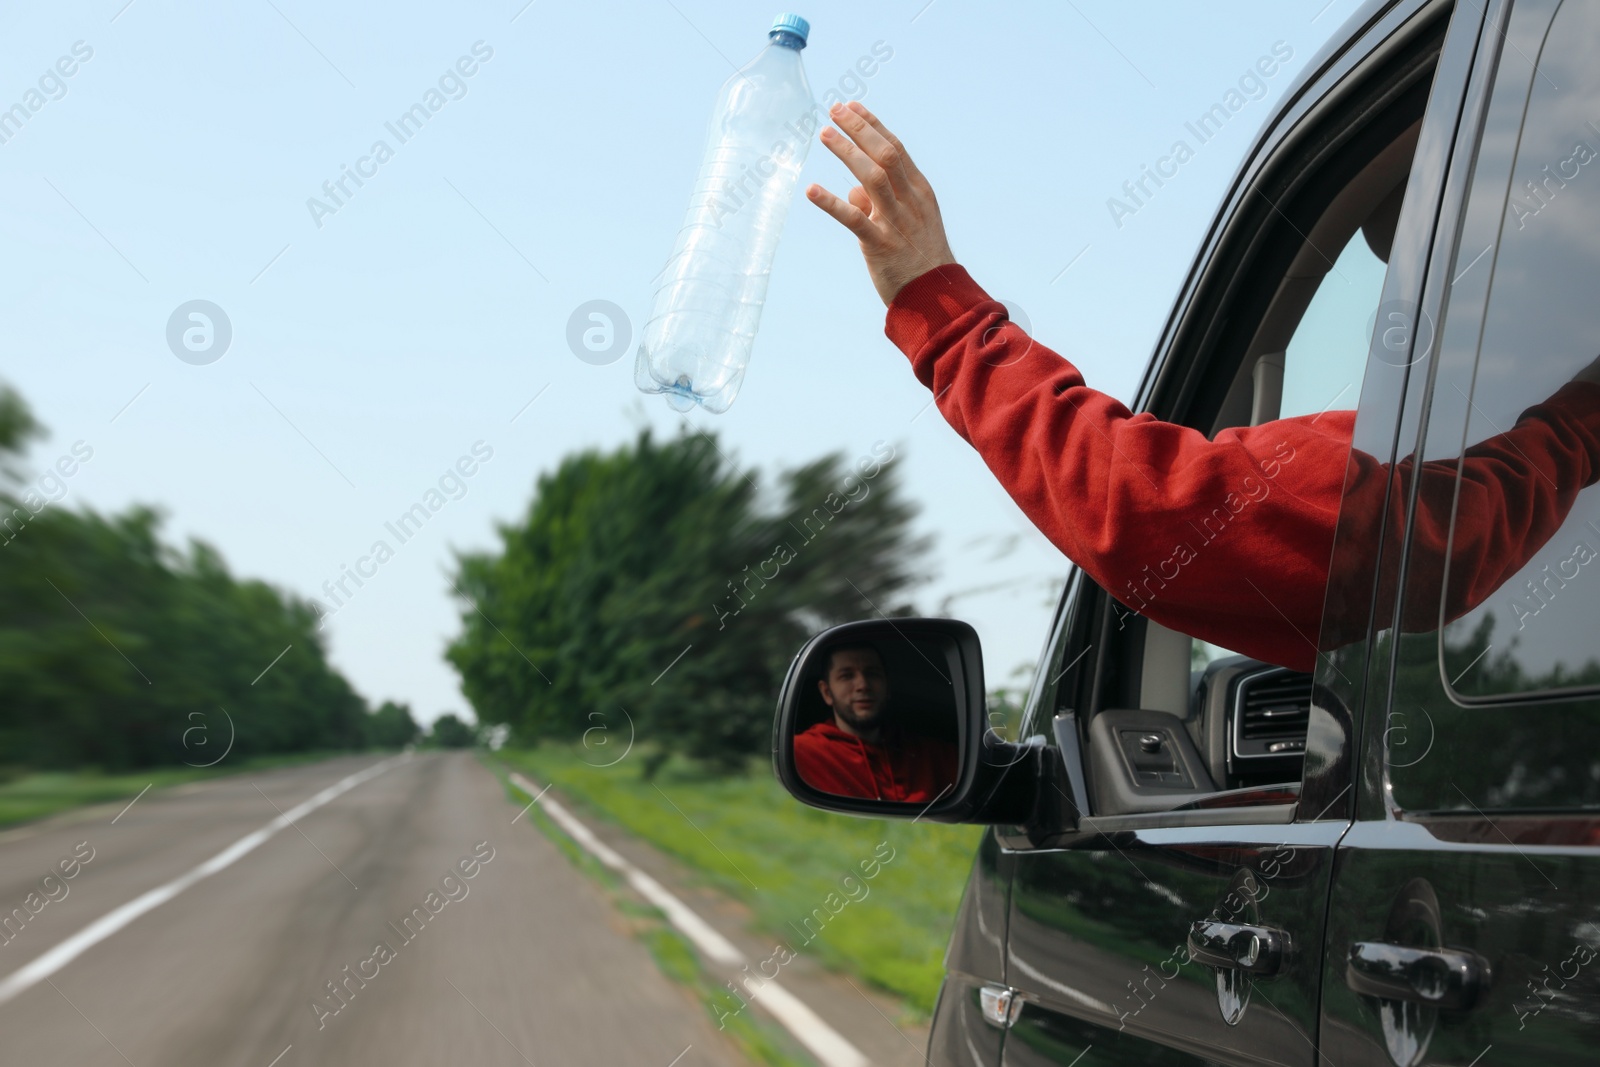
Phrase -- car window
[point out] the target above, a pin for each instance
(1322, 365)
(1540, 629)
(1324, 360)
(1497, 658)
(1056, 677)
(1304, 323)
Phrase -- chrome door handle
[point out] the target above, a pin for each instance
(1438, 977)
(1257, 950)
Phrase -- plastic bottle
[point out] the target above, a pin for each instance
(707, 306)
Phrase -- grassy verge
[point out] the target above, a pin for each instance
(802, 871)
(761, 1042)
(33, 795)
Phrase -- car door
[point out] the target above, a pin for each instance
(1465, 925)
(1182, 920)
(962, 1030)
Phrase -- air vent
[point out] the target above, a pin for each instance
(1270, 712)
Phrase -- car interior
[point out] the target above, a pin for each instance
(1176, 723)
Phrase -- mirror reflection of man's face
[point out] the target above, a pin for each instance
(857, 689)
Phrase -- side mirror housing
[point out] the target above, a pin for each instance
(887, 718)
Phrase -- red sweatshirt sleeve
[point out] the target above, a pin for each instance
(1228, 540)
(1516, 489)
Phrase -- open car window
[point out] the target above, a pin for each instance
(1180, 722)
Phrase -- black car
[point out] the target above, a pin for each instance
(1201, 858)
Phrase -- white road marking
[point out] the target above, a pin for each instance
(828, 1045)
(56, 958)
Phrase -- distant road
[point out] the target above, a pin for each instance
(526, 965)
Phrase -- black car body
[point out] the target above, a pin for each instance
(1396, 858)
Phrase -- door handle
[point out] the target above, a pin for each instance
(1438, 977)
(1257, 950)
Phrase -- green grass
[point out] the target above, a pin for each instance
(749, 838)
(33, 795)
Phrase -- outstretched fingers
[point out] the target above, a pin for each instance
(869, 157)
(885, 147)
(852, 217)
(893, 211)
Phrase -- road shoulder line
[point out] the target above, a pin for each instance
(830, 1047)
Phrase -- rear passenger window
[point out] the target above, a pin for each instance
(1537, 628)
(1494, 703)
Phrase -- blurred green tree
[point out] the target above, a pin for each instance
(17, 426)
(660, 580)
(392, 726)
(449, 731)
(117, 650)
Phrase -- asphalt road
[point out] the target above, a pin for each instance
(522, 963)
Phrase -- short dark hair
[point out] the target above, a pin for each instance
(847, 645)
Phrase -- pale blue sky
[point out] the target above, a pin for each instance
(371, 352)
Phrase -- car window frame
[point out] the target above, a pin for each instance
(1346, 72)
(1396, 40)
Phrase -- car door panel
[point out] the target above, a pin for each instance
(975, 960)
(1100, 946)
(1531, 912)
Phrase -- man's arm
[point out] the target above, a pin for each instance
(1246, 521)
(1228, 539)
(1225, 539)
(1137, 503)
(1483, 522)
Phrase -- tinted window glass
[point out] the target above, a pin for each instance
(1492, 703)
(1539, 629)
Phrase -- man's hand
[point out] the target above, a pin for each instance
(892, 211)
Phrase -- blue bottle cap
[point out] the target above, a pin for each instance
(791, 23)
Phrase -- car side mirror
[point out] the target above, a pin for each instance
(887, 718)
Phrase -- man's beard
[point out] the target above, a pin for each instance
(873, 720)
